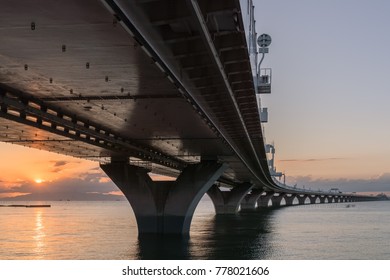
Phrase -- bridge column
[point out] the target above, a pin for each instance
(313, 199)
(228, 202)
(289, 199)
(164, 207)
(302, 198)
(250, 200)
(322, 198)
(277, 199)
(264, 199)
(336, 199)
(330, 199)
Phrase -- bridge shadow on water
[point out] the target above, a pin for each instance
(242, 236)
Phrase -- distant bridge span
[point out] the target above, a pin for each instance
(144, 85)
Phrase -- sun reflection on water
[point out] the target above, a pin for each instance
(39, 234)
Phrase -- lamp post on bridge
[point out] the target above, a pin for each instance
(263, 75)
(263, 41)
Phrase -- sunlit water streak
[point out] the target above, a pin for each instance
(39, 235)
(107, 230)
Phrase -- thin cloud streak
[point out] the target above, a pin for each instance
(379, 183)
(311, 159)
(60, 163)
(90, 185)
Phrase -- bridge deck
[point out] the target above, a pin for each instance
(78, 58)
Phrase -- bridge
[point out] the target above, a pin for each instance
(146, 86)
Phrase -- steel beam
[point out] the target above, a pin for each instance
(23, 108)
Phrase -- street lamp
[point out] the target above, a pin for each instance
(263, 75)
(263, 41)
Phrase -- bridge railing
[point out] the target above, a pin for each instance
(264, 81)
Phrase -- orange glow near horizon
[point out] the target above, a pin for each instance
(22, 164)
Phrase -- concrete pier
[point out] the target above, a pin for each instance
(276, 200)
(302, 199)
(313, 199)
(163, 207)
(289, 199)
(250, 200)
(228, 202)
(263, 200)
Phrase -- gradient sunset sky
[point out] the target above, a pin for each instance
(328, 111)
(330, 103)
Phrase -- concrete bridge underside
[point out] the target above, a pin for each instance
(96, 79)
(145, 85)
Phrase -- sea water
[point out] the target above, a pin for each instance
(72, 230)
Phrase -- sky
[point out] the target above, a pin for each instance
(31, 174)
(329, 107)
(328, 111)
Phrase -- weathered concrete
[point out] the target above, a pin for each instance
(302, 199)
(250, 200)
(276, 200)
(263, 200)
(289, 199)
(228, 202)
(313, 199)
(164, 207)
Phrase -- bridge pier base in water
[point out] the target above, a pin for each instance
(163, 207)
(313, 199)
(276, 200)
(263, 200)
(228, 202)
(302, 199)
(250, 200)
(289, 199)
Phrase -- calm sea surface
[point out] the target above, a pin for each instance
(107, 230)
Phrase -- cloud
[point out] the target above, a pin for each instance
(94, 176)
(379, 183)
(104, 180)
(59, 163)
(88, 186)
(117, 193)
(12, 194)
(311, 159)
(6, 186)
(96, 169)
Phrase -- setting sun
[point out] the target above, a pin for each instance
(38, 181)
